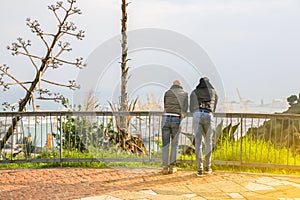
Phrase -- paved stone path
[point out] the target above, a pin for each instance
(142, 184)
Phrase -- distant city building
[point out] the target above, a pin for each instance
(248, 106)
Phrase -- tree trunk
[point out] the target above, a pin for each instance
(124, 69)
(22, 107)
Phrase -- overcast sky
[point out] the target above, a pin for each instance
(254, 44)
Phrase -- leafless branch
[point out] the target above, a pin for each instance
(48, 98)
(35, 28)
(33, 103)
(4, 70)
(15, 83)
(56, 97)
(8, 106)
(72, 84)
(53, 63)
(29, 55)
(80, 35)
(54, 8)
(78, 62)
(65, 9)
(23, 45)
(64, 46)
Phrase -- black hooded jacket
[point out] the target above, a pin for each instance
(204, 96)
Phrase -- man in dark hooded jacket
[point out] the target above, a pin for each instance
(203, 102)
(175, 108)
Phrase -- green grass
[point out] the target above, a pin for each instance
(256, 151)
(80, 165)
(53, 165)
(91, 154)
(182, 166)
(253, 151)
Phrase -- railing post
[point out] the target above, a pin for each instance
(241, 139)
(288, 141)
(11, 139)
(60, 139)
(149, 136)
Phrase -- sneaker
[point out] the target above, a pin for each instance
(165, 170)
(172, 170)
(207, 170)
(199, 172)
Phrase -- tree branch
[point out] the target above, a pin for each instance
(54, 8)
(4, 69)
(63, 47)
(23, 83)
(72, 84)
(27, 52)
(29, 55)
(35, 28)
(80, 35)
(56, 97)
(79, 62)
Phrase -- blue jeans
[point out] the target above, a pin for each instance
(170, 134)
(202, 123)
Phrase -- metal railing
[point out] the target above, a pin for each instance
(245, 139)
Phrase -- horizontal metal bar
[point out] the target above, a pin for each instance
(106, 160)
(141, 113)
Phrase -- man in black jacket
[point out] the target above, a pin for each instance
(203, 102)
(175, 108)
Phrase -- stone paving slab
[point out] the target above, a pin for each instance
(104, 197)
(141, 184)
(229, 186)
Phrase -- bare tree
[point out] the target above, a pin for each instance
(55, 47)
